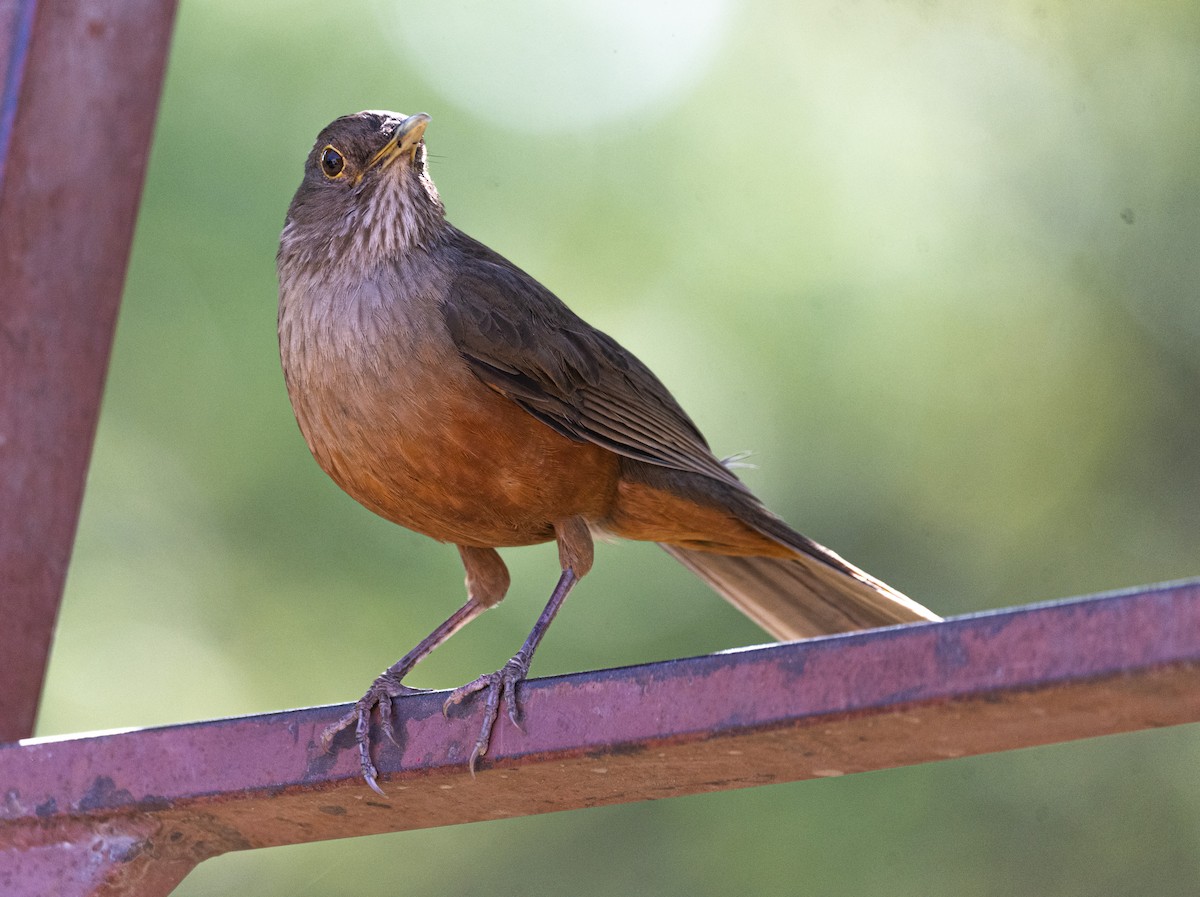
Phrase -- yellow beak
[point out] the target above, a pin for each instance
(404, 140)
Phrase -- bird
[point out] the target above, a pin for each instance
(447, 390)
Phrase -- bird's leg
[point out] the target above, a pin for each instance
(487, 582)
(575, 555)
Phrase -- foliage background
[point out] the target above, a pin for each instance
(936, 266)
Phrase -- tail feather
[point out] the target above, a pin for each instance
(816, 593)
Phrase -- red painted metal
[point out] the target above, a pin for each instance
(77, 103)
(130, 813)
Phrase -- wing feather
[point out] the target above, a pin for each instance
(520, 339)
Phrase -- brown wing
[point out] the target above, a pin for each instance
(520, 338)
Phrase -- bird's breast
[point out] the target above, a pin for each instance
(393, 414)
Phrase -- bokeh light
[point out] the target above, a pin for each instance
(545, 66)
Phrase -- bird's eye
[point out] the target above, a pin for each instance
(332, 162)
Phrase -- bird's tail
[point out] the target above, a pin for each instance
(816, 593)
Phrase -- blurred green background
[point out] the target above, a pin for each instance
(937, 267)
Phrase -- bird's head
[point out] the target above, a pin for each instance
(366, 197)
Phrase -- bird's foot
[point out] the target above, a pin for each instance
(380, 694)
(500, 686)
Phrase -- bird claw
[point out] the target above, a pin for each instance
(380, 695)
(500, 686)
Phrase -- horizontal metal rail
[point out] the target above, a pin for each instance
(133, 812)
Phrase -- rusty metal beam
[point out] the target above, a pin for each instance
(131, 813)
(77, 103)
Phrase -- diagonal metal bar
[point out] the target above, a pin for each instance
(79, 90)
(131, 813)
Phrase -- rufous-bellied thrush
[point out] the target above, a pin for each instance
(447, 390)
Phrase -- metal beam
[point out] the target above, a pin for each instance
(77, 102)
(132, 812)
